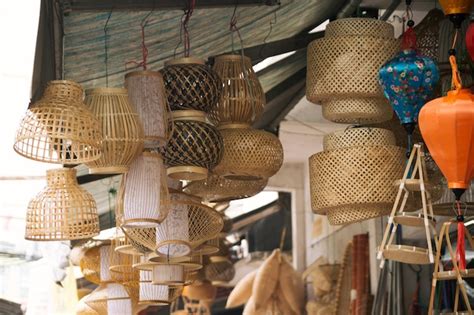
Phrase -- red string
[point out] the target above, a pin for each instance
(461, 246)
(142, 63)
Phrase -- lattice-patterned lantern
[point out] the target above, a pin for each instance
(143, 240)
(242, 99)
(59, 128)
(147, 95)
(194, 148)
(62, 211)
(219, 189)
(352, 179)
(249, 154)
(143, 197)
(121, 128)
(190, 84)
(219, 270)
(343, 66)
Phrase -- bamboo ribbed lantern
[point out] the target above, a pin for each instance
(121, 265)
(190, 84)
(142, 240)
(147, 95)
(59, 128)
(193, 148)
(154, 293)
(191, 263)
(83, 309)
(208, 248)
(90, 265)
(242, 99)
(219, 270)
(62, 211)
(352, 179)
(143, 194)
(219, 189)
(110, 298)
(121, 128)
(249, 154)
(349, 93)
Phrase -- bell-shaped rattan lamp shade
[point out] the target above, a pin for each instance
(242, 99)
(190, 84)
(121, 128)
(59, 128)
(62, 211)
(143, 198)
(249, 154)
(147, 95)
(194, 148)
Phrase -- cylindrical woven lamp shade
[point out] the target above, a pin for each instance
(144, 192)
(151, 292)
(219, 270)
(62, 211)
(147, 95)
(208, 247)
(249, 154)
(219, 189)
(343, 67)
(242, 99)
(353, 179)
(169, 274)
(59, 128)
(121, 128)
(190, 84)
(193, 148)
(90, 265)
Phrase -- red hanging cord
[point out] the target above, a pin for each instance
(142, 63)
(461, 246)
(409, 36)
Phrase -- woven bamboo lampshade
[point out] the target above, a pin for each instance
(191, 263)
(352, 179)
(219, 189)
(219, 270)
(190, 84)
(121, 265)
(242, 99)
(105, 252)
(143, 240)
(348, 93)
(59, 128)
(143, 197)
(154, 293)
(170, 274)
(193, 148)
(90, 265)
(62, 211)
(147, 95)
(208, 248)
(249, 154)
(121, 128)
(110, 298)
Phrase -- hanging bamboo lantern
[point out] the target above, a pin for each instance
(352, 179)
(62, 211)
(193, 148)
(249, 154)
(110, 298)
(121, 265)
(121, 128)
(59, 128)
(219, 270)
(143, 198)
(143, 240)
(208, 248)
(190, 84)
(348, 93)
(104, 254)
(242, 98)
(154, 293)
(147, 95)
(90, 265)
(219, 189)
(83, 309)
(169, 274)
(191, 263)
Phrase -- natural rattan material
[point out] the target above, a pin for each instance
(147, 95)
(59, 128)
(169, 274)
(367, 110)
(121, 128)
(249, 154)
(193, 148)
(219, 189)
(358, 137)
(62, 211)
(219, 270)
(110, 298)
(142, 239)
(243, 98)
(360, 27)
(190, 84)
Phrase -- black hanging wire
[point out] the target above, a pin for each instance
(273, 21)
(106, 48)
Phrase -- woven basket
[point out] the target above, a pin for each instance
(90, 265)
(121, 127)
(242, 99)
(190, 84)
(62, 211)
(147, 95)
(343, 67)
(193, 148)
(354, 181)
(59, 128)
(219, 270)
(249, 154)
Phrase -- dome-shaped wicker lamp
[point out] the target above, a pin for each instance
(121, 128)
(249, 154)
(194, 148)
(147, 95)
(190, 84)
(59, 128)
(220, 189)
(343, 67)
(353, 178)
(143, 197)
(242, 99)
(62, 211)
